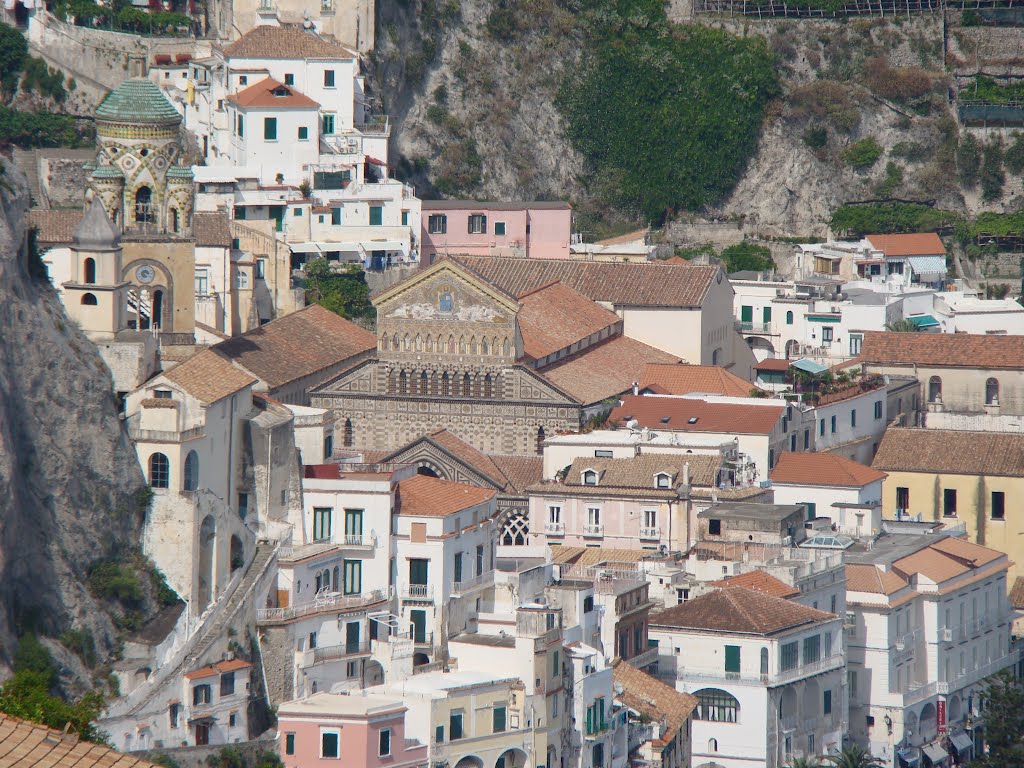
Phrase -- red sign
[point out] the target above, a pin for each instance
(940, 715)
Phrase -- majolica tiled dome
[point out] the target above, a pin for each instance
(137, 101)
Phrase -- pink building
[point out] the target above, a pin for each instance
(368, 731)
(527, 230)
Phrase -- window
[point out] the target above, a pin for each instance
(327, 123)
(418, 571)
(593, 516)
(270, 129)
(714, 527)
(650, 518)
(439, 734)
(856, 342)
(717, 706)
(853, 417)
(90, 271)
(590, 477)
(790, 656)
(998, 505)
(289, 79)
(376, 215)
(455, 726)
(437, 224)
(826, 704)
(477, 224)
(588, 603)
(329, 743)
(821, 428)
(240, 130)
(243, 505)
(826, 335)
(162, 394)
(811, 507)
(202, 694)
(405, 218)
(833, 425)
(949, 502)
(902, 501)
(807, 439)
(328, 78)
(159, 471)
(789, 318)
(321, 523)
(732, 658)
(934, 390)
(227, 684)
(812, 649)
(992, 392)
(353, 575)
(878, 409)
(191, 471)
(499, 229)
(554, 515)
(242, 280)
(554, 657)
(303, 133)
(479, 559)
(766, 315)
(663, 480)
(243, 80)
(792, 442)
(297, 212)
(384, 742)
(498, 720)
(289, 743)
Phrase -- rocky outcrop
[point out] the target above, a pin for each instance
(71, 490)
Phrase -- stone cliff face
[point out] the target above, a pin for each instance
(71, 490)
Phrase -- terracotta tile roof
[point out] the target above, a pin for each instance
(212, 229)
(554, 317)
(218, 668)
(740, 418)
(1017, 593)
(286, 42)
(159, 402)
(607, 555)
(629, 237)
(520, 471)
(431, 497)
(947, 451)
(827, 469)
(864, 577)
(639, 471)
(298, 345)
(739, 610)
(54, 226)
(943, 350)
(683, 379)
(507, 205)
(946, 559)
(654, 699)
(643, 285)
(466, 453)
(24, 744)
(916, 244)
(604, 370)
(773, 364)
(759, 581)
(270, 93)
(672, 260)
(208, 377)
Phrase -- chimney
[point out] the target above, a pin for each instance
(686, 474)
(636, 387)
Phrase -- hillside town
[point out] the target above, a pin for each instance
(541, 500)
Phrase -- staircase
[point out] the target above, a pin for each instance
(26, 160)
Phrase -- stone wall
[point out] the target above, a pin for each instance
(63, 180)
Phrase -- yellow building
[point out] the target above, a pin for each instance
(951, 476)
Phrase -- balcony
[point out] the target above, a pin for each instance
(593, 530)
(554, 529)
(418, 592)
(755, 329)
(357, 540)
(746, 678)
(650, 533)
(331, 601)
(468, 586)
(789, 723)
(330, 653)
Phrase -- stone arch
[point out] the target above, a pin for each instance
(374, 673)
(395, 345)
(430, 343)
(462, 345)
(419, 343)
(383, 346)
(429, 469)
(207, 550)
(762, 348)
(485, 346)
(446, 384)
(403, 383)
(143, 204)
(470, 761)
(506, 348)
(467, 385)
(512, 758)
(424, 383)
(515, 529)
(495, 349)
(348, 433)
(928, 720)
(419, 659)
(472, 345)
(791, 347)
(237, 553)
(89, 300)
(810, 700)
(488, 389)
(451, 344)
(954, 708)
(405, 343)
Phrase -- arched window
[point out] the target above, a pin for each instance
(717, 706)
(419, 343)
(540, 440)
(158, 308)
(472, 346)
(405, 343)
(488, 386)
(395, 343)
(451, 345)
(934, 390)
(90, 271)
(424, 383)
(159, 471)
(446, 384)
(89, 300)
(191, 471)
(789, 318)
(462, 345)
(384, 343)
(403, 383)
(174, 219)
(327, 579)
(347, 439)
(144, 204)
(467, 384)
(430, 343)
(485, 347)
(764, 661)
(335, 582)
(506, 348)
(992, 392)
(716, 356)
(712, 745)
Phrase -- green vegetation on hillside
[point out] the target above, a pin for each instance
(745, 256)
(896, 218)
(666, 116)
(989, 91)
(121, 16)
(343, 292)
(37, 129)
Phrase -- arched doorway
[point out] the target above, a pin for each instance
(791, 347)
(374, 673)
(428, 470)
(207, 544)
(470, 761)
(237, 554)
(928, 721)
(512, 758)
(143, 205)
(174, 220)
(419, 659)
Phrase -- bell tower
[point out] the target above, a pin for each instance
(96, 297)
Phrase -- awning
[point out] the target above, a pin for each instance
(928, 267)
(923, 321)
(381, 245)
(961, 741)
(935, 752)
(208, 719)
(809, 366)
(909, 755)
(303, 248)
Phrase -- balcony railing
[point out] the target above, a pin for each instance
(332, 601)
(650, 533)
(481, 581)
(418, 592)
(356, 540)
(750, 327)
(780, 678)
(593, 530)
(330, 653)
(554, 529)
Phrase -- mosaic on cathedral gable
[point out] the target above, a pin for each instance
(445, 296)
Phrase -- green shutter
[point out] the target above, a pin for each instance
(767, 315)
(376, 215)
(732, 658)
(747, 314)
(270, 129)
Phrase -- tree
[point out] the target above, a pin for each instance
(901, 326)
(343, 292)
(747, 256)
(1003, 702)
(803, 762)
(853, 756)
(13, 50)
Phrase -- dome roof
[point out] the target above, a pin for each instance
(96, 231)
(107, 172)
(137, 101)
(180, 172)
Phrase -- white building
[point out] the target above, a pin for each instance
(928, 622)
(767, 672)
(967, 312)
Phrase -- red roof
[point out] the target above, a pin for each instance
(917, 244)
(431, 497)
(761, 582)
(270, 93)
(827, 469)
(773, 364)
(689, 414)
(216, 669)
(682, 379)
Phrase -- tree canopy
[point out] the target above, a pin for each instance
(343, 291)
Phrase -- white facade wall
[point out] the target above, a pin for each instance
(841, 504)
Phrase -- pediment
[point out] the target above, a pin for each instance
(446, 292)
